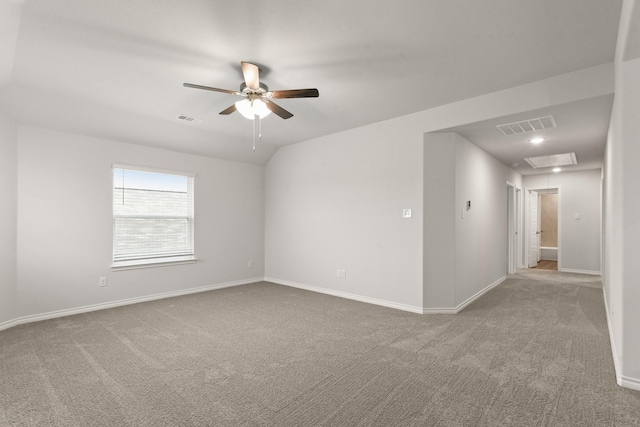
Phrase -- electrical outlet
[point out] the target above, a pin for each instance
(341, 273)
(250, 264)
(102, 282)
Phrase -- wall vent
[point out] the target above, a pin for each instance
(526, 126)
(189, 119)
(552, 160)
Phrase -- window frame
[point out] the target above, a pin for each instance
(159, 261)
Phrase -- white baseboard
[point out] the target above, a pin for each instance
(631, 383)
(621, 380)
(571, 270)
(614, 353)
(385, 303)
(8, 324)
(119, 303)
(355, 297)
(471, 299)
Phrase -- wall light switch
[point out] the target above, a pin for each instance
(577, 216)
(406, 213)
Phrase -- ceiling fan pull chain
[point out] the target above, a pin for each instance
(254, 134)
(259, 127)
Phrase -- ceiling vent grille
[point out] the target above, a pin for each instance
(189, 119)
(526, 126)
(552, 160)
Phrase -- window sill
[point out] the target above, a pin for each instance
(151, 263)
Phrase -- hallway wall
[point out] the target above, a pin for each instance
(579, 243)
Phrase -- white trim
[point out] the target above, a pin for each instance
(631, 383)
(572, 270)
(472, 298)
(119, 303)
(152, 262)
(9, 324)
(613, 347)
(621, 380)
(152, 170)
(384, 303)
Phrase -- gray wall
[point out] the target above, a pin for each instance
(481, 237)
(439, 243)
(336, 203)
(579, 245)
(8, 219)
(462, 256)
(65, 222)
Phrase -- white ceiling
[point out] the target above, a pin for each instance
(115, 68)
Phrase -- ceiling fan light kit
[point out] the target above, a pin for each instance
(251, 109)
(258, 98)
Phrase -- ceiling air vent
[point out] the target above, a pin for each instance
(189, 119)
(552, 160)
(525, 126)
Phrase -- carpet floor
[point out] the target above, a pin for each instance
(534, 351)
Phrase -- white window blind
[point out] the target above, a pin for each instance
(152, 217)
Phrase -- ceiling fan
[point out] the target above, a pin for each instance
(258, 97)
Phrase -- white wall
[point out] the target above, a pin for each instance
(8, 219)
(579, 245)
(481, 237)
(462, 256)
(336, 203)
(621, 205)
(65, 223)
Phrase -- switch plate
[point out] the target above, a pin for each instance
(102, 282)
(406, 213)
(250, 264)
(577, 216)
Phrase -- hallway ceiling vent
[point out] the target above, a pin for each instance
(552, 160)
(526, 126)
(189, 119)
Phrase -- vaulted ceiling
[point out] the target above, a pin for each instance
(115, 68)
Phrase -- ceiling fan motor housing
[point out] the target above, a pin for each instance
(263, 88)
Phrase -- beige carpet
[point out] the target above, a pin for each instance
(532, 352)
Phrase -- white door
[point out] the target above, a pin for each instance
(534, 233)
(511, 230)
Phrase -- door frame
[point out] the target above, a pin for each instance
(512, 228)
(542, 190)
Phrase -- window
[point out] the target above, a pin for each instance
(152, 217)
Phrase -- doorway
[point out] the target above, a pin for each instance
(543, 228)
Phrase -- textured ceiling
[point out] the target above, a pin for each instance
(115, 68)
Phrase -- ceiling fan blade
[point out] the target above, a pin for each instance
(229, 110)
(295, 93)
(251, 74)
(214, 89)
(276, 109)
